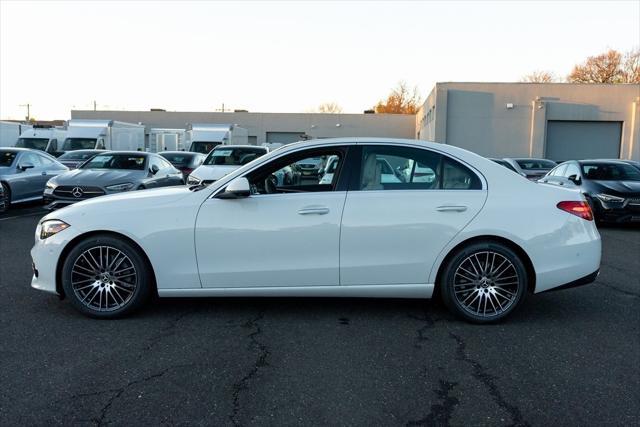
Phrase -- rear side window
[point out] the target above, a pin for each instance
(405, 168)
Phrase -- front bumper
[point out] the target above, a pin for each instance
(45, 255)
(617, 212)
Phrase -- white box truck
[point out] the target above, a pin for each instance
(204, 137)
(162, 139)
(10, 132)
(103, 134)
(43, 137)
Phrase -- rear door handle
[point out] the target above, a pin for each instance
(313, 210)
(44, 173)
(451, 208)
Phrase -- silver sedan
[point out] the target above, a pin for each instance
(24, 173)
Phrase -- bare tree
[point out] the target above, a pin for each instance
(329, 107)
(539, 77)
(631, 66)
(401, 100)
(608, 67)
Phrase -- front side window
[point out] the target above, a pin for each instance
(572, 170)
(404, 168)
(30, 158)
(223, 156)
(299, 172)
(559, 171)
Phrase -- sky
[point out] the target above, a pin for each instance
(287, 56)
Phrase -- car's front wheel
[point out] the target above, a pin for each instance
(484, 282)
(6, 198)
(106, 277)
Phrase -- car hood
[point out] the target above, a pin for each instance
(622, 187)
(213, 172)
(98, 177)
(129, 201)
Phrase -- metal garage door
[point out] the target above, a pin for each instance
(284, 137)
(575, 140)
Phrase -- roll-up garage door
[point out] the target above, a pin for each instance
(284, 137)
(576, 140)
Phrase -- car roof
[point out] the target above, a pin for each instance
(130, 152)
(223, 146)
(19, 149)
(191, 153)
(605, 161)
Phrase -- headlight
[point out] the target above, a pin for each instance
(120, 187)
(609, 198)
(48, 189)
(192, 180)
(52, 226)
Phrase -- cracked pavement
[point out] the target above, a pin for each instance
(565, 358)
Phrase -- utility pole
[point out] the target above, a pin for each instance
(28, 110)
(94, 105)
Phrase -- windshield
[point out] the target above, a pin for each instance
(535, 163)
(233, 156)
(76, 155)
(610, 172)
(7, 157)
(78, 144)
(116, 161)
(179, 159)
(34, 143)
(203, 147)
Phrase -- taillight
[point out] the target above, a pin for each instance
(581, 209)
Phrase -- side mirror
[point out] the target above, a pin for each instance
(154, 169)
(26, 165)
(238, 188)
(575, 179)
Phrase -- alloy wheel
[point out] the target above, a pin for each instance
(486, 284)
(103, 278)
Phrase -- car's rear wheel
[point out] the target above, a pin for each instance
(484, 282)
(106, 277)
(6, 198)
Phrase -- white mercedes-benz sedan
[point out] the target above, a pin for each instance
(475, 232)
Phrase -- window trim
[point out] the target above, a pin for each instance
(354, 182)
(343, 171)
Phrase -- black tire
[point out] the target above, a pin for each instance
(125, 276)
(487, 272)
(6, 196)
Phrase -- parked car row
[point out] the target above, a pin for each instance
(28, 175)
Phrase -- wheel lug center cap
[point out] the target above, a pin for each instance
(106, 278)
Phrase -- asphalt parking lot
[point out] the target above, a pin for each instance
(570, 357)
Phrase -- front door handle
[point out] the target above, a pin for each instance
(44, 173)
(313, 210)
(451, 208)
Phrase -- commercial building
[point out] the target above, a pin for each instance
(559, 121)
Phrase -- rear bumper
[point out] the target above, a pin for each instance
(589, 278)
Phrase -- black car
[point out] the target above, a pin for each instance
(73, 159)
(185, 161)
(612, 187)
